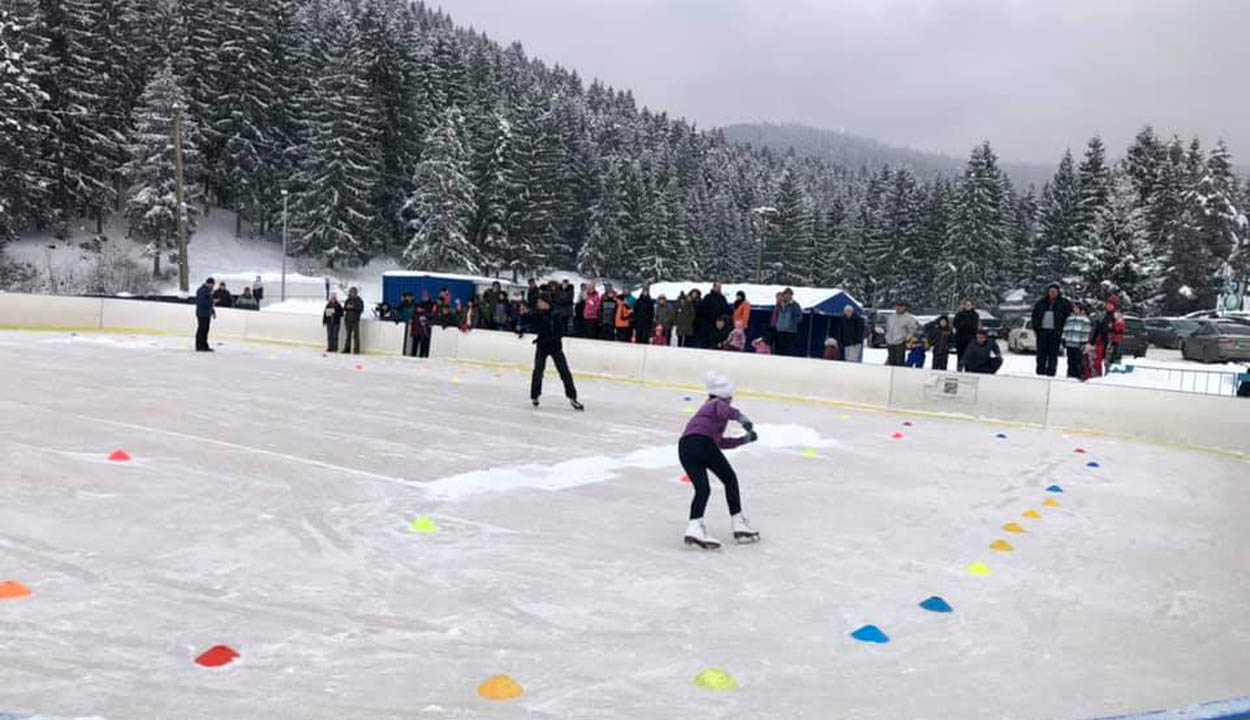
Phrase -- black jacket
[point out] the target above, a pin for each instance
(715, 305)
(332, 314)
(1062, 309)
(549, 328)
(223, 298)
(353, 307)
(977, 357)
(850, 331)
(644, 312)
(203, 302)
(531, 296)
(966, 324)
(564, 301)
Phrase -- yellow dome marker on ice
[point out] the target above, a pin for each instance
(1002, 546)
(689, 409)
(500, 687)
(811, 454)
(1014, 528)
(1051, 503)
(423, 526)
(979, 569)
(1033, 515)
(716, 680)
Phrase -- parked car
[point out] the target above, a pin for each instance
(1136, 337)
(1168, 332)
(1020, 335)
(1217, 341)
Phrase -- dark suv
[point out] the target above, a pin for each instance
(1136, 337)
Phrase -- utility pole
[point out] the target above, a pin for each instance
(759, 215)
(285, 193)
(184, 283)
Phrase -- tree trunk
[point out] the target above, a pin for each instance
(238, 225)
(156, 264)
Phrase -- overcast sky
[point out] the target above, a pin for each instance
(1031, 76)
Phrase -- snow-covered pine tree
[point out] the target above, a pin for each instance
(1060, 239)
(1086, 258)
(496, 189)
(603, 253)
(437, 213)
(1129, 268)
(790, 237)
(1220, 221)
(901, 265)
(1142, 164)
(1166, 225)
(1195, 268)
(23, 189)
(934, 228)
(977, 242)
(1019, 266)
(332, 211)
(152, 206)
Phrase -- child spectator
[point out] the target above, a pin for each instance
(761, 346)
(737, 340)
(915, 353)
(660, 336)
(719, 339)
(831, 349)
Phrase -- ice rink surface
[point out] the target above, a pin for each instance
(268, 507)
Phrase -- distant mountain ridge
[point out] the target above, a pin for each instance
(855, 151)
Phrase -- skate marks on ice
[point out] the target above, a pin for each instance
(602, 468)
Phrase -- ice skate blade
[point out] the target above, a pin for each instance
(746, 538)
(695, 542)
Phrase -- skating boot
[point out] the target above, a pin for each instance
(535, 401)
(697, 535)
(576, 405)
(743, 532)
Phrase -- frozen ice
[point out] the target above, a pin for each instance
(269, 503)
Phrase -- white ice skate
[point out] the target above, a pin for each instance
(696, 534)
(743, 532)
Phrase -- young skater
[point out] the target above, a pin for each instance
(700, 451)
(549, 329)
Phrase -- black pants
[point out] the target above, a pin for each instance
(939, 360)
(698, 454)
(624, 334)
(556, 353)
(590, 328)
(201, 332)
(1048, 344)
(332, 336)
(961, 344)
(992, 369)
(897, 355)
(351, 343)
(1076, 363)
(785, 343)
(642, 334)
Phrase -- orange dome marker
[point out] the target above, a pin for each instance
(119, 456)
(1014, 528)
(685, 479)
(1002, 546)
(1033, 515)
(1052, 503)
(13, 590)
(500, 687)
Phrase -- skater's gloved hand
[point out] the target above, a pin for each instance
(752, 436)
(746, 423)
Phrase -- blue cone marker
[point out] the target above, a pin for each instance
(1054, 489)
(936, 604)
(1092, 465)
(870, 634)
(1001, 436)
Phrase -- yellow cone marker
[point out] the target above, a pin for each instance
(717, 680)
(1033, 515)
(271, 356)
(1002, 546)
(1051, 503)
(1014, 528)
(423, 526)
(689, 409)
(500, 687)
(844, 417)
(811, 454)
(979, 569)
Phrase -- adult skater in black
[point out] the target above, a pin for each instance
(204, 314)
(550, 329)
(700, 451)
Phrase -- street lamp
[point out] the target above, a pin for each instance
(284, 206)
(760, 212)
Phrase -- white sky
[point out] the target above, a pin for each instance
(1032, 76)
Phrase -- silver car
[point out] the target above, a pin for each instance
(1217, 341)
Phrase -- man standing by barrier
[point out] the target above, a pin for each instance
(353, 308)
(899, 328)
(789, 316)
(1049, 315)
(204, 314)
(547, 325)
(967, 322)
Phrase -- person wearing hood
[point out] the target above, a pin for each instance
(1049, 316)
(644, 316)
(666, 315)
(332, 318)
(967, 323)
(687, 313)
(982, 355)
(700, 451)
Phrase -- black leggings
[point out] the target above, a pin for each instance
(698, 454)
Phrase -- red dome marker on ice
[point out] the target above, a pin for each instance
(217, 656)
(1079, 451)
(898, 436)
(360, 367)
(685, 479)
(119, 456)
(907, 424)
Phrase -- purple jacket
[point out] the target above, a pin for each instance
(710, 421)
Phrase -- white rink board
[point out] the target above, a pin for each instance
(267, 506)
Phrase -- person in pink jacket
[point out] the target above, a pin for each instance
(590, 313)
(699, 451)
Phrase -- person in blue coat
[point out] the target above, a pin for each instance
(204, 314)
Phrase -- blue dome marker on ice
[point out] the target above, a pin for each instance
(1054, 489)
(936, 604)
(871, 634)
(1001, 436)
(1092, 464)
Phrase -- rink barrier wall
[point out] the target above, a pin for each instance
(1189, 420)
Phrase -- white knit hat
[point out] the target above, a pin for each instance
(718, 385)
